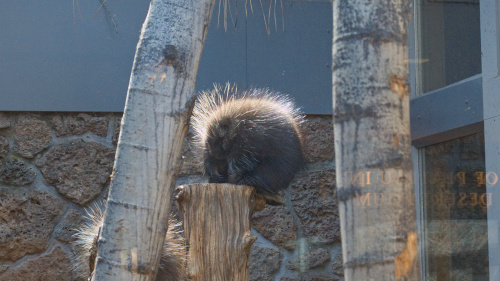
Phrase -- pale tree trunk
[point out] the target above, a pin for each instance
(156, 117)
(372, 139)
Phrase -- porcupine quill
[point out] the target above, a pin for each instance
(173, 257)
(249, 138)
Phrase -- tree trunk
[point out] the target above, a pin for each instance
(372, 139)
(217, 228)
(155, 120)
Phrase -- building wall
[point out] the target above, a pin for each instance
(54, 165)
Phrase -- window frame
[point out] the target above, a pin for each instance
(490, 48)
(473, 106)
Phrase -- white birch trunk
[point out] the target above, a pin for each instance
(157, 111)
(372, 139)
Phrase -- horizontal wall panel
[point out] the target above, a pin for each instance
(60, 57)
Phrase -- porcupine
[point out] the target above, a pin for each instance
(173, 256)
(249, 138)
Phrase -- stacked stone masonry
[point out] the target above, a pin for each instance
(54, 165)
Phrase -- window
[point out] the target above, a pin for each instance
(449, 42)
(454, 204)
(455, 124)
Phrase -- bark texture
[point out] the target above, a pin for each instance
(217, 228)
(157, 111)
(372, 139)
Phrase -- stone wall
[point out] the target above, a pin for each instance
(53, 165)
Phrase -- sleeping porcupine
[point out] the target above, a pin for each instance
(250, 138)
(173, 257)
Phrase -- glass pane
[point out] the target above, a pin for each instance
(450, 43)
(455, 205)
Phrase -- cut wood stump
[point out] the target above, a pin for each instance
(216, 220)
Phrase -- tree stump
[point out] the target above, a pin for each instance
(217, 229)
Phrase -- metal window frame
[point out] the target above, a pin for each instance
(463, 108)
(490, 49)
(462, 115)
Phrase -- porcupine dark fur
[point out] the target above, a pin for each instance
(172, 261)
(249, 138)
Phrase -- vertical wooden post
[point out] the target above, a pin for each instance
(217, 229)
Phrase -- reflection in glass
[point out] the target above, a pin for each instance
(449, 42)
(455, 204)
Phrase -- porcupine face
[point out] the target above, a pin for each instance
(219, 142)
(217, 149)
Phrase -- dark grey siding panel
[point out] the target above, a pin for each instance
(224, 55)
(52, 60)
(297, 61)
